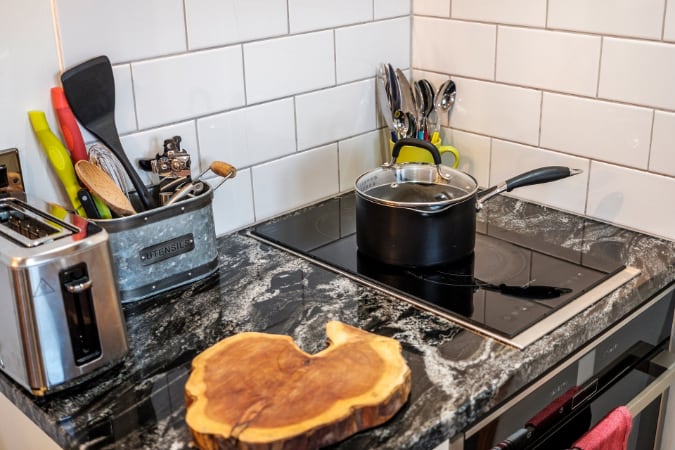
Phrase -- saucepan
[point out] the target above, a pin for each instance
(420, 214)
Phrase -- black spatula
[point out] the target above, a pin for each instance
(90, 90)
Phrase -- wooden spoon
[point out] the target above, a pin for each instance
(101, 184)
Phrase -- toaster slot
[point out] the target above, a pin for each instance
(80, 314)
(29, 227)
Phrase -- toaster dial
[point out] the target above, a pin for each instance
(79, 308)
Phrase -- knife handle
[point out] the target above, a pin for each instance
(69, 129)
(59, 158)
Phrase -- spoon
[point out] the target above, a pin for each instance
(101, 184)
(445, 100)
(428, 93)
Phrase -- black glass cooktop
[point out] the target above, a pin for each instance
(501, 289)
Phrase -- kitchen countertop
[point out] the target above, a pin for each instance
(457, 375)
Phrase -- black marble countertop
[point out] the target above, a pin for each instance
(457, 375)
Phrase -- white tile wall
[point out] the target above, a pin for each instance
(488, 108)
(474, 153)
(279, 67)
(517, 12)
(632, 198)
(440, 8)
(358, 155)
(612, 132)
(587, 80)
(662, 159)
(307, 15)
(669, 26)
(647, 70)
(511, 159)
(212, 23)
(124, 30)
(248, 136)
(294, 181)
(233, 202)
(636, 18)
(359, 49)
(190, 85)
(565, 62)
(337, 113)
(391, 8)
(441, 46)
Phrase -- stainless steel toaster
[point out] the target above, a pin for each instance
(60, 315)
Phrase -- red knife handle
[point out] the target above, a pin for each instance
(70, 130)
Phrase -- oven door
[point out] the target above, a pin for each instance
(630, 365)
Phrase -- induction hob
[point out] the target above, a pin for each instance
(514, 293)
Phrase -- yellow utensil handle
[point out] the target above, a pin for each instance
(58, 157)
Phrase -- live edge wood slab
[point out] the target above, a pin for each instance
(260, 391)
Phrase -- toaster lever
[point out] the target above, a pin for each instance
(77, 286)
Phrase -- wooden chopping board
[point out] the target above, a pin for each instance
(260, 391)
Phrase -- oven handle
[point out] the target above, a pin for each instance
(663, 361)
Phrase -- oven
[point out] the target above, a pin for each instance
(632, 365)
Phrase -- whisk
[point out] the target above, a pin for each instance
(101, 156)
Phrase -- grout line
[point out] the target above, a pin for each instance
(597, 83)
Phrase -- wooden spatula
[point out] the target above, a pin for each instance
(100, 183)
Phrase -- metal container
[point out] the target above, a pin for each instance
(163, 248)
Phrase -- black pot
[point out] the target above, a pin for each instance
(418, 214)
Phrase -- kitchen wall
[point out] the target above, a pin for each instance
(583, 83)
(281, 89)
(284, 90)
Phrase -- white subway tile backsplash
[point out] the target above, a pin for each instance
(308, 15)
(295, 180)
(258, 84)
(474, 154)
(391, 8)
(358, 155)
(180, 87)
(285, 66)
(441, 46)
(125, 110)
(337, 113)
(489, 108)
(634, 18)
(248, 136)
(439, 8)
(516, 12)
(566, 62)
(212, 23)
(124, 30)
(594, 129)
(147, 144)
(662, 159)
(569, 194)
(359, 49)
(638, 72)
(669, 24)
(632, 198)
(235, 196)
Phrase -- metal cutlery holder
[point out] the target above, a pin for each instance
(163, 248)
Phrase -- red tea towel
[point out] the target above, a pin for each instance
(611, 433)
